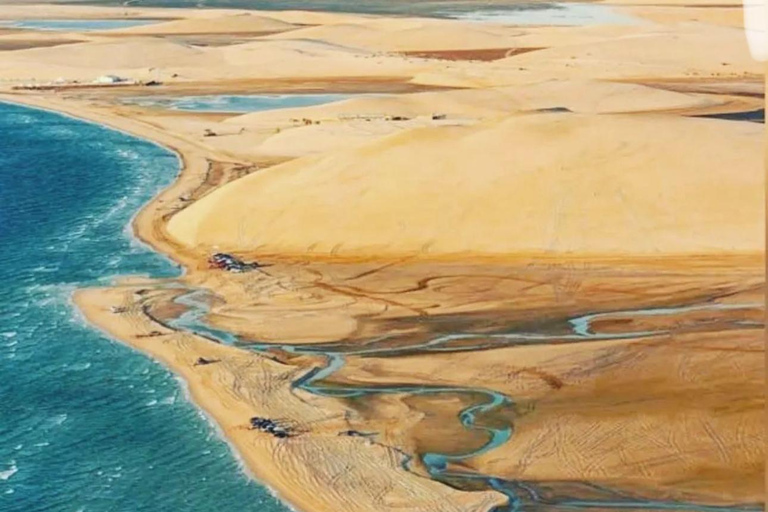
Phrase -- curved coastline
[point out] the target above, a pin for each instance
(193, 163)
(142, 232)
(210, 389)
(96, 304)
(71, 189)
(336, 348)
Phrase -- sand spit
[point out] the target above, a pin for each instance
(563, 193)
(318, 470)
(380, 482)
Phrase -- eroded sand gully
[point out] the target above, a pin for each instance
(592, 384)
(668, 419)
(660, 410)
(454, 367)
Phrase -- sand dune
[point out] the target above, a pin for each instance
(730, 17)
(684, 51)
(297, 58)
(24, 40)
(139, 58)
(464, 103)
(134, 56)
(688, 51)
(354, 48)
(576, 95)
(407, 34)
(548, 37)
(376, 114)
(319, 17)
(231, 24)
(315, 139)
(591, 96)
(615, 185)
(616, 173)
(255, 52)
(140, 52)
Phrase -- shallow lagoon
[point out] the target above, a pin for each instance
(79, 25)
(429, 8)
(565, 14)
(237, 103)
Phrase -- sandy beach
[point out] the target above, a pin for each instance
(534, 253)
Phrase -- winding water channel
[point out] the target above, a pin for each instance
(521, 495)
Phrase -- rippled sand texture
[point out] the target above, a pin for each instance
(607, 385)
(641, 378)
(524, 273)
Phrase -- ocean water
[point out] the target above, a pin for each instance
(86, 423)
(237, 103)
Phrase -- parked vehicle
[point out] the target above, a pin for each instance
(230, 263)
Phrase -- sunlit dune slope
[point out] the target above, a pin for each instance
(139, 52)
(231, 24)
(563, 183)
(407, 34)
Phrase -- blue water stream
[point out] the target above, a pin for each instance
(438, 464)
(87, 424)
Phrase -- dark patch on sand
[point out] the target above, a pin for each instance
(484, 55)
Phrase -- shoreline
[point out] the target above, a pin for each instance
(207, 386)
(257, 454)
(95, 317)
(320, 469)
(147, 224)
(150, 227)
(179, 352)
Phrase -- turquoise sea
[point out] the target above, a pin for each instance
(87, 424)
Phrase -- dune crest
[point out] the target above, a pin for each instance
(230, 24)
(138, 52)
(501, 188)
(406, 34)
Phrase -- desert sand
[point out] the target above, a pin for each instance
(552, 182)
(535, 215)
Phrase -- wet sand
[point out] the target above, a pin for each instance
(415, 354)
(423, 381)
